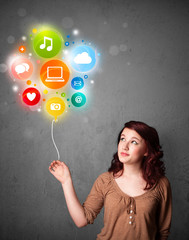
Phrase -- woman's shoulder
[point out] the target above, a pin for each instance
(164, 186)
(104, 182)
(164, 182)
(104, 178)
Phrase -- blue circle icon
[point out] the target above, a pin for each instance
(83, 58)
(77, 83)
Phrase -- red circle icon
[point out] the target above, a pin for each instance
(31, 96)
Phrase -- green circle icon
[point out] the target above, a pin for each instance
(47, 44)
(78, 99)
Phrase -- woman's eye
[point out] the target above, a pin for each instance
(122, 139)
(134, 142)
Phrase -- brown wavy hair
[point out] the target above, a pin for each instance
(152, 167)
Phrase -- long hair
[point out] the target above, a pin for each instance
(152, 167)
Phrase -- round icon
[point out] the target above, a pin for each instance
(55, 106)
(77, 83)
(22, 49)
(22, 68)
(83, 58)
(54, 74)
(78, 99)
(31, 96)
(47, 44)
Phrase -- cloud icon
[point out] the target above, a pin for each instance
(83, 58)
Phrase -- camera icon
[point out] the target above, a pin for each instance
(55, 106)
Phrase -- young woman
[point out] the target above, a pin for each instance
(135, 193)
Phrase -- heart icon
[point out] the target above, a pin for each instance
(31, 96)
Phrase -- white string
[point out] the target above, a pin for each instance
(53, 139)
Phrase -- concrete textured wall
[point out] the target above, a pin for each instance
(142, 75)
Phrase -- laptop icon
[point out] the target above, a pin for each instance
(55, 74)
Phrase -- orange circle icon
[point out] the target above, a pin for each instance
(54, 74)
(22, 49)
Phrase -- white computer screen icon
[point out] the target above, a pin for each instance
(55, 74)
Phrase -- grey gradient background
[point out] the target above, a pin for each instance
(142, 75)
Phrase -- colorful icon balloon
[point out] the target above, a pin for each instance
(83, 58)
(77, 83)
(54, 74)
(55, 106)
(78, 99)
(22, 68)
(31, 96)
(48, 43)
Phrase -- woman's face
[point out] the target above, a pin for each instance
(132, 147)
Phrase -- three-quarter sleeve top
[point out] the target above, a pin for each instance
(145, 217)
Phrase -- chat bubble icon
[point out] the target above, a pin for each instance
(26, 66)
(22, 68)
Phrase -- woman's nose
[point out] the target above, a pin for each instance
(126, 146)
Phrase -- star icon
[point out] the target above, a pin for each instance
(22, 49)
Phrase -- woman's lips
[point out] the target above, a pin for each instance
(124, 154)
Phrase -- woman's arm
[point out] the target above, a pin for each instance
(165, 210)
(62, 174)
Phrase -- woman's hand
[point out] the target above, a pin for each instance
(60, 171)
(62, 174)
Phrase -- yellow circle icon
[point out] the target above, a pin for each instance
(55, 106)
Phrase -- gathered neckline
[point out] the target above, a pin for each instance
(143, 195)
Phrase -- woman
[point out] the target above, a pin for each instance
(135, 193)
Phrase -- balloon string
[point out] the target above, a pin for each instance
(53, 139)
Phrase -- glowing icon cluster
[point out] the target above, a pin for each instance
(53, 73)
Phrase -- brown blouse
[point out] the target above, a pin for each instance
(145, 217)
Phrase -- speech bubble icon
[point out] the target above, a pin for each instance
(55, 106)
(20, 69)
(26, 66)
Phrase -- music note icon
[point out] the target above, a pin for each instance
(43, 45)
